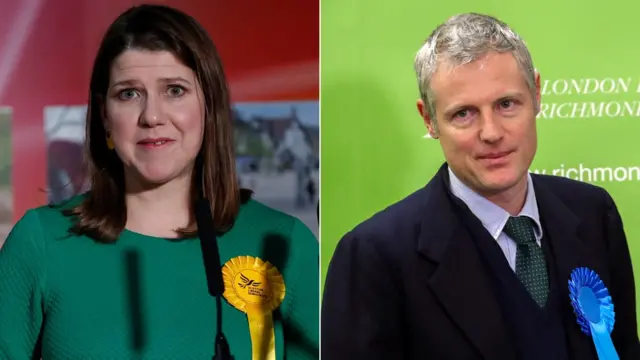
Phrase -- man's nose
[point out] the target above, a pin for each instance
(491, 129)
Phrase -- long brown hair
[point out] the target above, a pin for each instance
(102, 214)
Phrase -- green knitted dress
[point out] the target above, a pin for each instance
(144, 297)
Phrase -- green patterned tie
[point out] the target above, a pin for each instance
(531, 267)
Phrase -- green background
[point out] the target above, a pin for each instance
(373, 151)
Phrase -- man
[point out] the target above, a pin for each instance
(476, 264)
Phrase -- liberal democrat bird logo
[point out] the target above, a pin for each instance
(248, 282)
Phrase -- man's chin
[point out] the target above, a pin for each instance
(500, 182)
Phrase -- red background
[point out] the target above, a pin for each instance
(269, 49)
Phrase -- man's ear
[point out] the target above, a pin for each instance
(428, 122)
(538, 95)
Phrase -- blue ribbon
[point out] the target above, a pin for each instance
(593, 307)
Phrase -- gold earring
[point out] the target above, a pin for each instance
(110, 144)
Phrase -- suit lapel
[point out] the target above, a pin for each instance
(563, 233)
(459, 282)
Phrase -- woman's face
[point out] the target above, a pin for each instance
(155, 114)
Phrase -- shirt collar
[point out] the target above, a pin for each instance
(492, 216)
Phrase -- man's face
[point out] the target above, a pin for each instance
(485, 120)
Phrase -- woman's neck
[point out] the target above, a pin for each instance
(159, 210)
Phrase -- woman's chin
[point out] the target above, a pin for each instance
(156, 178)
(153, 175)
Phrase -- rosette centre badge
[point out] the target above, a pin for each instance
(256, 288)
(593, 307)
(252, 287)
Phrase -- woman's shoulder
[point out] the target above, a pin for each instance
(50, 219)
(56, 211)
(257, 215)
(262, 215)
(256, 210)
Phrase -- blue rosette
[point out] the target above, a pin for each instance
(593, 307)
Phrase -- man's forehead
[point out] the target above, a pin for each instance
(488, 67)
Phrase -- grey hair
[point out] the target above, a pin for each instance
(463, 39)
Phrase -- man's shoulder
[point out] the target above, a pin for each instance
(395, 221)
(576, 194)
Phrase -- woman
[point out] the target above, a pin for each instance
(118, 273)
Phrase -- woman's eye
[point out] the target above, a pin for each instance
(176, 91)
(127, 94)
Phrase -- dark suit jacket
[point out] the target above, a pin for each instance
(409, 284)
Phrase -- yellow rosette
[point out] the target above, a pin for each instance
(256, 288)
